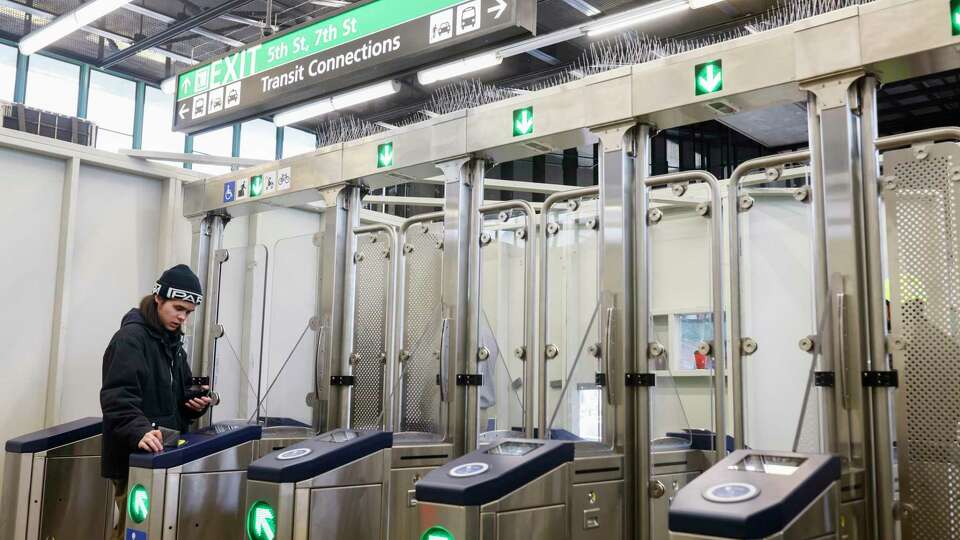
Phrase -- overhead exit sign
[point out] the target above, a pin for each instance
(366, 41)
(708, 77)
(955, 17)
(523, 122)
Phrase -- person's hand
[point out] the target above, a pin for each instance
(152, 441)
(200, 403)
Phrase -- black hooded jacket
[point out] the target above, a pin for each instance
(145, 377)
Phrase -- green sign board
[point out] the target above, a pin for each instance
(138, 504)
(437, 533)
(348, 26)
(261, 521)
(955, 17)
(523, 122)
(708, 77)
(385, 155)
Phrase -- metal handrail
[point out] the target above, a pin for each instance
(529, 303)
(927, 135)
(716, 240)
(542, 319)
(736, 354)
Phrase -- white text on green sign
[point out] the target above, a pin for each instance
(385, 155)
(708, 77)
(523, 122)
(312, 39)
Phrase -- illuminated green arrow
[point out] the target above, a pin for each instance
(264, 523)
(385, 155)
(711, 78)
(261, 522)
(139, 504)
(523, 122)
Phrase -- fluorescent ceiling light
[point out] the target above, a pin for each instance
(169, 85)
(68, 23)
(330, 3)
(636, 16)
(697, 4)
(459, 67)
(335, 103)
(365, 94)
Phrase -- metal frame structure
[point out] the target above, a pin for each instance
(824, 61)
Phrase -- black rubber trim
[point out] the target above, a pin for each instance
(341, 380)
(46, 439)
(641, 379)
(826, 379)
(469, 379)
(880, 379)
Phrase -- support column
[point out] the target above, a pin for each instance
(623, 166)
(881, 399)
(834, 111)
(207, 240)
(460, 284)
(336, 232)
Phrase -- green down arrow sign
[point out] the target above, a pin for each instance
(523, 122)
(385, 155)
(955, 17)
(708, 77)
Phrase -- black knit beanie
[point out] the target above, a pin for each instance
(179, 283)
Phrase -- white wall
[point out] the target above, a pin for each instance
(85, 236)
(114, 266)
(30, 221)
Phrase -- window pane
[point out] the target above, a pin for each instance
(296, 142)
(258, 140)
(158, 131)
(8, 71)
(111, 106)
(52, 85)
(214, 143)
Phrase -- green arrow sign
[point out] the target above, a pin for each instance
(261, 522)
(523, 122)
(256, 186)
(708, 77)
(437, 533)
(385, 155)
(955, 17)
(138, 504)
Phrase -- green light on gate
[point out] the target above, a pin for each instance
(138, 504)
(385, 155)
(955, 16)
(708, 77)
(523, 122)
(261, 522)
(437, 533)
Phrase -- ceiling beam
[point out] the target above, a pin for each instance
(583, 7)
(166, 19)
(34, 12)
(175, 30)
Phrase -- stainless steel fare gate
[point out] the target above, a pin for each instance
(921, 202)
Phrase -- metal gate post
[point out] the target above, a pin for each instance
(337, 223)
(834, 109)
(623, 167)
(460, 284)
(207, 243)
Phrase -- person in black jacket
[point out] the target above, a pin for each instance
(145, 378)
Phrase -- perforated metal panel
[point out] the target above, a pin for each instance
(369, 353)
(922, 233)
(420, 393)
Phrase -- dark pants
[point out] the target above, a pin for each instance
(120, 497)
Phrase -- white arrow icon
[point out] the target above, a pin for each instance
(262, 523)
(140, 503)
(183, 110)
(499, 8)
(185, 85)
